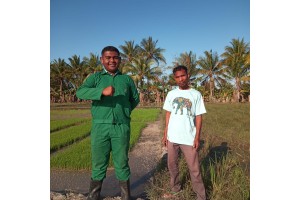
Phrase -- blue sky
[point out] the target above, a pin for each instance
(84, 27)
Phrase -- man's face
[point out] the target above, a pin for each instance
(111, 61)
(182, 79)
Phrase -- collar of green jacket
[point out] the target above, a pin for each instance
(104, 71)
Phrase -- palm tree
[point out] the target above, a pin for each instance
(80, 71)
(150, 51)
(59, 72)
(245, 80)
(93, 62)
(212, 71)
(161, 86)
(235, 58)
(141, 71)
(129, 51)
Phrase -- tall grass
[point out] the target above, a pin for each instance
(224, 155)
(227, 179)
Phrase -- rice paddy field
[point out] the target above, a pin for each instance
(70, 135)
(224, 154)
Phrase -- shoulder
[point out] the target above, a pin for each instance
(126, 77)
(91, 76)
(175, 90)
(172, 92)
(196, 92)
(95, 75)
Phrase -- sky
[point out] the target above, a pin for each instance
(84, 27)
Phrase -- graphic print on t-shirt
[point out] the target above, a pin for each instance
(182, 103)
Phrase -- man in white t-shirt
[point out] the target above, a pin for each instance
(184, 108)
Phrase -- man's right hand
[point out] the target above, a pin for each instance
(164, 140)
(109, 91)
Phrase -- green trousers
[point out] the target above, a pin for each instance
(106, 138)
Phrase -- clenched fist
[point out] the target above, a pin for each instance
(109, 91)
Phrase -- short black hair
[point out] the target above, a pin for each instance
(110, 48)
(180, 67)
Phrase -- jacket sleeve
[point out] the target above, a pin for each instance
(88, 90)
(134, 96)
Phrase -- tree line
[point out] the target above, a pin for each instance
(224, 78)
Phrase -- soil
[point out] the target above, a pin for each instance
(143, 159)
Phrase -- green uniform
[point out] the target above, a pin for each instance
(111, 121)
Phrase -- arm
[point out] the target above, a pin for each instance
(134, 96)
(88, 90)
(198, 131)
(165, 137)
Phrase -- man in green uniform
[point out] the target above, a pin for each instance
(114, 96)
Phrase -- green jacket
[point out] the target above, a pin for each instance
(110, 109)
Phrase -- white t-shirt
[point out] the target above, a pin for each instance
(184, 106)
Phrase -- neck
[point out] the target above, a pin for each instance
(184, 88)
(111, 73)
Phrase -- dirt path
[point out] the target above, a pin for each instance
(142, 160)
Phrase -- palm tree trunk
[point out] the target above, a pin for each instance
(211, 90)
(238, 88)
(60, 91)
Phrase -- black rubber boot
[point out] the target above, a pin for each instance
(125, 190)
(95, 189)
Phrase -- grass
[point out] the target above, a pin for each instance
(76, 154)
(69, 135)
(76, 157)
(225, 157)
(70, 114)
(57, 125)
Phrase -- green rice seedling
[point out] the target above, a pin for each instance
(68, 158)
(70, 114)
(76, 157)
(135, 132)
(68, 136)
(70, 154)
(145, 114)
(56, 125)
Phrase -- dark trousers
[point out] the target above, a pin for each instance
(192, 160)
